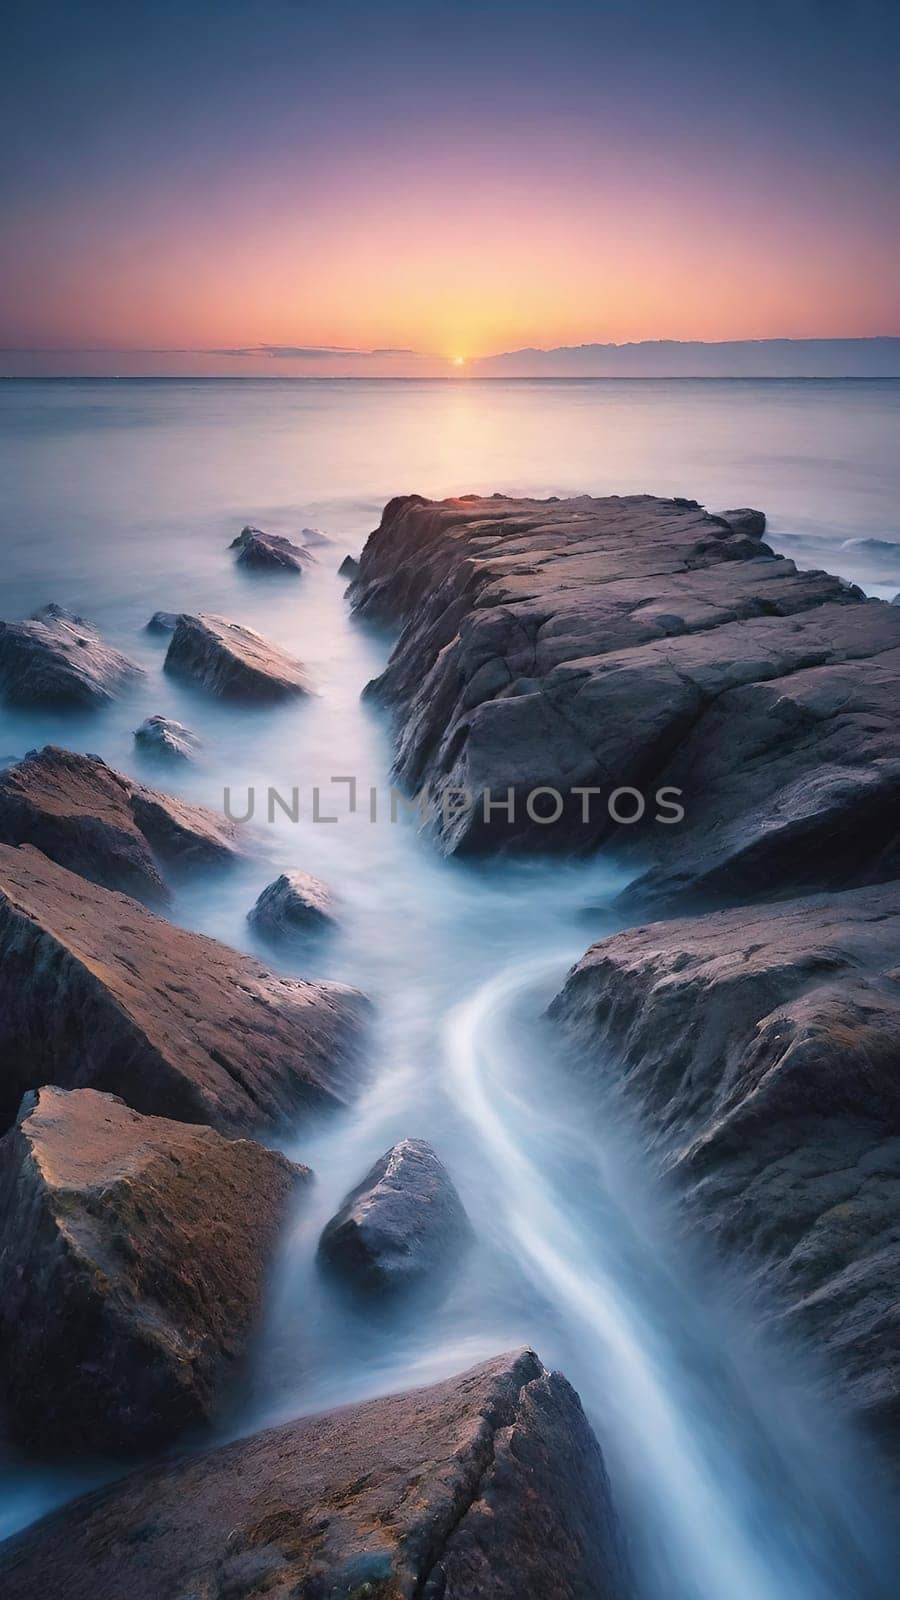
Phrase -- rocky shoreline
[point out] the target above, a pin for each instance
(580, 648)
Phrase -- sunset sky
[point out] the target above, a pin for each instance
(205, 186)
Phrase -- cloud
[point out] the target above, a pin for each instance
(320, 352)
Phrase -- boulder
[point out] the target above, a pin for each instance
(99, 823)
(294, 906)
(761, 1048)
(587, 645)
(133, 1256)
(233, 661)
(162, 622)
(315, 536)
(268, 552)
(404, 1223)
(56, 658)
(348, 568)
(97, 992)
(487, 1486)
(161, 736)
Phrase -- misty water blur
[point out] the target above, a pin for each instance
(118, 499)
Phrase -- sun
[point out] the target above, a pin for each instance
(459, 361)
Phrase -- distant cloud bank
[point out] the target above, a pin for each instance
(658, 358)
(672, 358)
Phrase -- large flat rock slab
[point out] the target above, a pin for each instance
(488, 1486)
(232, 661)
(103, 825)
(133, 1255)
(762, 1049)
(56, 658)
(587, 645)
(96, 991)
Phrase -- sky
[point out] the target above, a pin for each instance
(278, 187)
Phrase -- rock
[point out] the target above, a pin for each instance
(233, 661)
(753, 523)
(348, 568)
(488, 1486)
(133, 1257)
(97, 992)
(162, 622)
(269, 551)
(314, 536)
(761, 1049)
(99, 823)
(582, 646)
(404, 1223)
(295, 905)
(161, 736)
(58, 658)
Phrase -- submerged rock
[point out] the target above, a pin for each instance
(233, 661)
(761, 1048)
(99, 823)
(487, 1486)
(162, 622)
(404, 1223)
(161, 736)
(269, 551)
(133, 1255)
(58, 658)
(588, 645)
(294, 906)
(348, 568)
(97, 992)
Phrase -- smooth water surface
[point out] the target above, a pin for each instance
(736, 1479)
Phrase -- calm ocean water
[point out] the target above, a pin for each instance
(120, 498)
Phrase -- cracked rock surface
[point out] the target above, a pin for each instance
(635, 641)
(761, 1047)
(96, 991)
(488, 1486)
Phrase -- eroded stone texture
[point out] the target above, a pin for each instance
(762, 1050)
(133, 1256)
(56, 658)
(488, 1486)
(103, 825)
(600, 643)
(96, 991)
(232, 661)
(404, 1224)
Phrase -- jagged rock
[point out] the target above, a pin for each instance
(348, 568)
(99, 823)
(745, 520)
(58, 658)
(269, 551)
(162, 622)
(488, 1486)
(295, 905)
(161, 736)
(588, 645)
(133, 1254)
(403, 1224)
(233, 661)
(97, 992)
(761, 1048)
